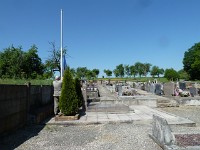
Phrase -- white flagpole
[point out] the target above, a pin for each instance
(61, 46)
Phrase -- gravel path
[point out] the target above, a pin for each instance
(125, 136)
(190, 112)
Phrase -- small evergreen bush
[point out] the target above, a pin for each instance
(79, 92)
(68, 103)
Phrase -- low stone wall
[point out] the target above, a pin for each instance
(18, 101)
(189, 101)
(168, 140)
(139, 100)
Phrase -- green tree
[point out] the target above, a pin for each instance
(183, 74)
(14, 63)
(156, 71)
(127, 70)
(171, 74)
(68, 100)
(146, 68)
(81, 72)
(119, 71)
(79, 92)
(108, 72)
(53, 61)
(90, 74)
(133, 70)
(11, 60)
(73, 72)
(32, 63)
(116, 72)
(139, 68)
(96, 72)
(191, 61)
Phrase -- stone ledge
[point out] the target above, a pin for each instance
(168, 140)
(66, 118)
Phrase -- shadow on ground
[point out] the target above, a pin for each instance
(15, 139)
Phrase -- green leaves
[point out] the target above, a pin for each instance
(171, 74)
(191, 61)
(68, 103)
(15, 63)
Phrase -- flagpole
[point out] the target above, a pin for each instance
(61, 45)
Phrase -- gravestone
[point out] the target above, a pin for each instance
(84, 92)
(168, 88)
(182, 85)
(119, 90)
(147, 87)
(152, 88)
(161, 132)
(158, 90)
(193, 91)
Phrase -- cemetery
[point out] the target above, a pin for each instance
(116, 103)
(164, 131)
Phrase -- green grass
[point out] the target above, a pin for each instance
(49, 82)
(23, 81)
(142, 79)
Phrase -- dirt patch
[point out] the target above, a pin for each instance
(184, 140)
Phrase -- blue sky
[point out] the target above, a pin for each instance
(104, 33)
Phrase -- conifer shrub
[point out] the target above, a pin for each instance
(68, 102)
(79, 92)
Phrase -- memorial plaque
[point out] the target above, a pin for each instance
(182, 85)
(158, 90)
(168, 88)
(120, 90)
(193, 91)
(152, 88)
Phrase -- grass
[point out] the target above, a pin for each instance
(142, 79)
(24, 81)
(49, 82)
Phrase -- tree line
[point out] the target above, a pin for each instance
(16, 63)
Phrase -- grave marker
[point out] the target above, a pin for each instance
(168, 88)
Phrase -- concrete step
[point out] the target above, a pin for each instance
(167, 105)
(163, 101)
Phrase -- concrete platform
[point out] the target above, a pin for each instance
(140, 114)
(108, 108)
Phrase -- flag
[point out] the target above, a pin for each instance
(64, 63)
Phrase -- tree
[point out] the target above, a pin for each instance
(171, 74)
(96, 72)
(160, 72)
(119, 71)
(146, 68)
(90, 74)
(183, 74)
(53, 61)
(133, 70)
(81, 72)
(68, 100)
(32, 64)
(79, 92)
(191, 61)
(11, 60)
(116, 72)
(14, 63)
(73, 72)
(108, 72)
(139, 68)
(156, 71)
(127, 70)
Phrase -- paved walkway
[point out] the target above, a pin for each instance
(134, 113)
(141, 113)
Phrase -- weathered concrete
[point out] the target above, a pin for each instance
(163, 135)
(17, 101)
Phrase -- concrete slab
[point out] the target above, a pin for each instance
(107, 112)
(142, 113)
